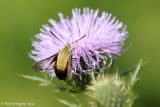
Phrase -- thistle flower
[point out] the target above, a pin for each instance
(112, 90)
(101, 37)
(108, 91)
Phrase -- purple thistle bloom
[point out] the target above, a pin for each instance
(102, 35)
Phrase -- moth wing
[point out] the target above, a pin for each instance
(69, 70)
(45, 64)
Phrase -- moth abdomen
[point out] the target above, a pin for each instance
(61, 74)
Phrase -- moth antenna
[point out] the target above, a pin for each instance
(78, 39)
(56, 36)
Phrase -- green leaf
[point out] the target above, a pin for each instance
(134, 76)
(35, 78)
(131, 96)
(68, 104)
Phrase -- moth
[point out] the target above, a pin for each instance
(60, 62)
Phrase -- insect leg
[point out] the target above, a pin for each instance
(72, 50)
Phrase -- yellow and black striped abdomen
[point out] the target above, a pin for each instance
(62, 62)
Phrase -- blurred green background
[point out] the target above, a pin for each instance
(20, 20)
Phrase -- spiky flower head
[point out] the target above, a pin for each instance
(108, 91)
(101, 37)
